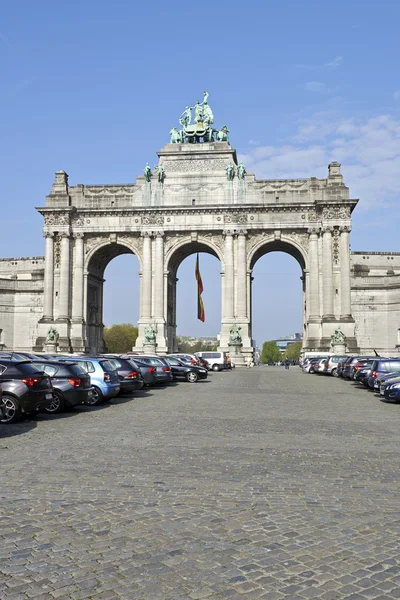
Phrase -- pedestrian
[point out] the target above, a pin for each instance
(229, 361)
(287, 364)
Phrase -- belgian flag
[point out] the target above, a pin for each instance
(200, 308)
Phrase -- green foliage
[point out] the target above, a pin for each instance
(186, 345)
(120, 338)
(270, 352)
(292, 352)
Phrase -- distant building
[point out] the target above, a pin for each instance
(285, 341)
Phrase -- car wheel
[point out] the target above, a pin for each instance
(11, 409)
(215, 368)
(334, 373)
(311, 371)
(95, 398)
(192, 377)
(57, 404)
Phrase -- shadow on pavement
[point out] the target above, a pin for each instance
(19, 428)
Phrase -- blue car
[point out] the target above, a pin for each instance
(381, 367)
(103, 378)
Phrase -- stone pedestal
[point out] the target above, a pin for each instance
(50, 347)
(149, 348)
(235, 352)
(339, 349)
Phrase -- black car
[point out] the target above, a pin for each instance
(25, 389)
(2, 413)
(71, 384)
(182, 370)
(129, 373)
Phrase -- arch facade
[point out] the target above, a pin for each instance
(202, 202)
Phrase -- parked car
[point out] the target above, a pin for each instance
(192, 359)
(363, 373)
(103, 378)
(332, 363)
(71, 384)
(348, 367)
(2, 413)
(320, 366)
(310, 365)
(217, 360)
(182, 370)
(381, 366)
(130, 376)
(162, 369)
(25, 389)
(392, 390)
(148, 372)
(19, 356)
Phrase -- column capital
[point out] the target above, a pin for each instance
(227, 232)
(78, 236)
(48, 234)
(64, 234)
(146, 234)
(159, 234)
(314, 230)
(345, 228)
(327, 229)
(242, 232)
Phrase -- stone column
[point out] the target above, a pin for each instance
(314, 311)
(63, 312)
(77, 297)
(228, 277)
(145, 309)
(159, 277)
(48, 296)
(345, 282)
(241, 291)
(327, 273)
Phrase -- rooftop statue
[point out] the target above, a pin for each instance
(147, 173)
(200, 128)
(230, 172)
(241, 171)
(161, 173)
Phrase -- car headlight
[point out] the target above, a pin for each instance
(394, 386)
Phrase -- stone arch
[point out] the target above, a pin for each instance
(114, 249)
(288, 245)
(174, 256)
(283, 244)
(96, 260)
(187, 246)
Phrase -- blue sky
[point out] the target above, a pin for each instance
(94, 87)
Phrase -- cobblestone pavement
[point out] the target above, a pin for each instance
(260, 483)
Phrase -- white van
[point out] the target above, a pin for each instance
(217, 360)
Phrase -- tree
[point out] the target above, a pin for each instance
(270, 352)
(120, 338)
(190, 347)
(292, 351)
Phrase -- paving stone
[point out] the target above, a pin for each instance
(258, 483)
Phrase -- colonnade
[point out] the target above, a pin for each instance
(326, 278)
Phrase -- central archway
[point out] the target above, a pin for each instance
(174, 259)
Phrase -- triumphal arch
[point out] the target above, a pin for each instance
(198, 198)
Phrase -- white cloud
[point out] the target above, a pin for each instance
(334, 63)
(316, 86)
(369, 150)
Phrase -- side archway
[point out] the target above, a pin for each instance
(96, 260)
(289, 246)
